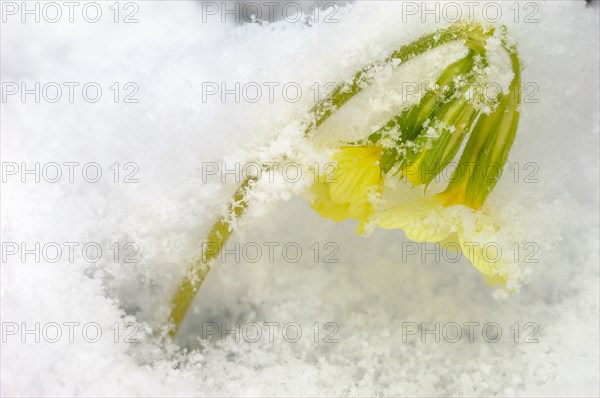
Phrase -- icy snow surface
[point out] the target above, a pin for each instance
(371, 294)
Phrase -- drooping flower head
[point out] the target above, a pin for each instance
(420, 142)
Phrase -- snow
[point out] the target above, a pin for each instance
(374, 294)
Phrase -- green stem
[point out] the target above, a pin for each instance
(217, 237)
(342, 93)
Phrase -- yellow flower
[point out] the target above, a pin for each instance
(352, 187)
(417, 145)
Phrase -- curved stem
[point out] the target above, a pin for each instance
(342, 93)
(217, 238)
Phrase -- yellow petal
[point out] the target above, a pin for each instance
(350, 190)
(421, 220)
(427, 220)
(325, 206)
(358, 169)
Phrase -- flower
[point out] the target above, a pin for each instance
(417, 145)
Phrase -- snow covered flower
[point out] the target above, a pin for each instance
(413, 147)
(417, 145)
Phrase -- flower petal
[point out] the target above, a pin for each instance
(358, 169)
(427, 220)
(325, 206)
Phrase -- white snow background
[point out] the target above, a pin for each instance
(370, 294)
